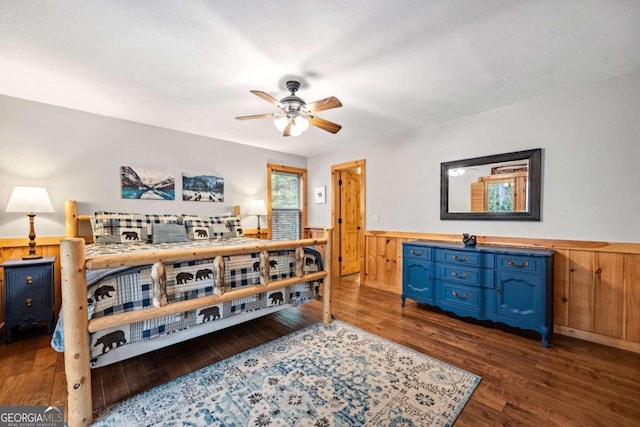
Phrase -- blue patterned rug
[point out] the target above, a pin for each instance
(335, 375)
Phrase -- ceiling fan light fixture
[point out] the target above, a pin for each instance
(281, 123)
(296, 115)
(299, 124)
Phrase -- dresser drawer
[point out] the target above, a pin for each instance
(470, 258)
(469, 276)
(28, 301)
(28, 277)
(521, 263)
(466, 296)
(417, 251)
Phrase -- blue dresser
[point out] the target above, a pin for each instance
(512, 286)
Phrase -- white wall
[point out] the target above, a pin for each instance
(590, 138)
(591, 149)
(78, 155)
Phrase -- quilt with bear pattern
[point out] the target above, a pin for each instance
(129, 288)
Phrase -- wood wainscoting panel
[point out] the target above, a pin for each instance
(561, 288)
(383, 265)
(596, 293)
(608, 299)
(581, 290)
(631, 295)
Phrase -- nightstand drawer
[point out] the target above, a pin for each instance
(29, 277)
(28, 300)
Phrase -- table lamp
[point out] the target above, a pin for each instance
(258, 208)
(30, 200)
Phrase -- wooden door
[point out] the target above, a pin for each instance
(349, 222)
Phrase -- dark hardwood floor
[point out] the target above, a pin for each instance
(570, 383)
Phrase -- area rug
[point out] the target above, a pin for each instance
(336, 375)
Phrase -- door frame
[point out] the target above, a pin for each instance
(335, 201)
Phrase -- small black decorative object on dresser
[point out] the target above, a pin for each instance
(469, 240)
(28, 294)
(511, 286)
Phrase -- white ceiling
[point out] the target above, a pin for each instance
(395, 65)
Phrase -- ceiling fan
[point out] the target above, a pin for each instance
(297, 115)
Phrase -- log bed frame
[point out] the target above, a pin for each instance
(77, 326)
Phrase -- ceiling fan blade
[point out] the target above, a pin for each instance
(287, 130)
(256, 116)
(324, 104)
(267, 98)
(324, 124)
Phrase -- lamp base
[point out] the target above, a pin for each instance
(32, 257)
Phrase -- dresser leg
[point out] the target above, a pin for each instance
(545, 335)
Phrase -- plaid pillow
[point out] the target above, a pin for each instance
(123, 235)
(197, 229)
(112, 224)
(108, 226)
(226, 226)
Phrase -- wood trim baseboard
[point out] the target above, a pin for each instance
(597, 338)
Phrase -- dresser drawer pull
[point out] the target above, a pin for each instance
(28, 280)
(463, 296)
(28, 302)
(463, 259)
(521, 265)
(417, 253)
(463, 275)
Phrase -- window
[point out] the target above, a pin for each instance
(286, 190)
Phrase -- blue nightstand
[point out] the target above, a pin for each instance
(28, 294)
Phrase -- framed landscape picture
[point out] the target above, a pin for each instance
(202, 188)
(142, 183)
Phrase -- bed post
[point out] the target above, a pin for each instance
(71, 218)
(326, 288)
(76, 332)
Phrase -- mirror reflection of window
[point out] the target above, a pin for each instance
(500, 197)
(500, 193)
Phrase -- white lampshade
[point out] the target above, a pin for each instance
(29, 199)
(257, 208)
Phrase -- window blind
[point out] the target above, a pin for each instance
(286, 213)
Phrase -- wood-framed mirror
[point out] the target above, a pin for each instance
(498, 187)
